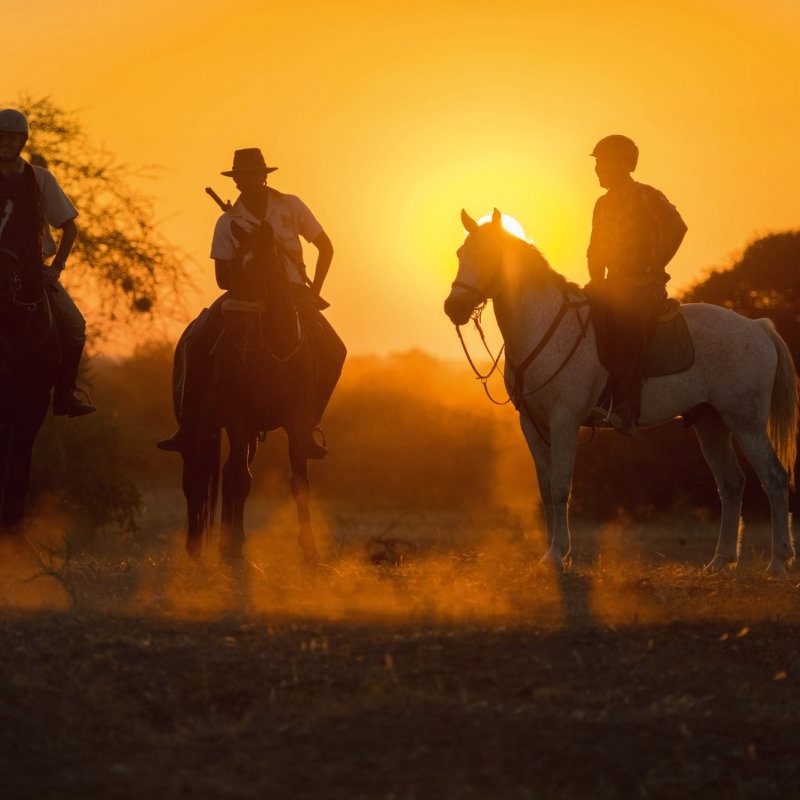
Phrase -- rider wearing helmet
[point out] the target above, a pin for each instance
(635, 233)
(57, 212)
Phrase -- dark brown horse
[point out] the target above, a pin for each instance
(29, 355)
(263, 377)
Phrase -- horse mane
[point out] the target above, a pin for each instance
(538, 269)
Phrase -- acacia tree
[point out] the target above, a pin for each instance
(121, 264)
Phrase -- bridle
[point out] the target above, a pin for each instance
(517, 395)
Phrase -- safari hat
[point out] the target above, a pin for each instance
(248, 160)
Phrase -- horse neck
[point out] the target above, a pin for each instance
(524, 314)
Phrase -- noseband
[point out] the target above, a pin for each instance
(483, 297)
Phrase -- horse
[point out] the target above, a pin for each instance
(29, 357)
(742, 385)
(264, 377)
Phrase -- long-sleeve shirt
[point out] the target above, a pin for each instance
(635, 233)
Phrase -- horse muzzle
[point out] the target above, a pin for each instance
(460, 304)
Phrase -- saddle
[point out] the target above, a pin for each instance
(669, 349)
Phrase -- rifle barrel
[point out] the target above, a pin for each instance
(217, 199)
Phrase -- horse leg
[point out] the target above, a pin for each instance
(236, 478)
(563, 444)
(5, 452)
(298, 448)
(18, 466)
(540, 451)
(717, 446)
(194, 492)
(757, 449)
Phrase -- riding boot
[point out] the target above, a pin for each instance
(65, 402)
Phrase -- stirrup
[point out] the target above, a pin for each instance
(613, 419)
(68, 405)
(317, 450)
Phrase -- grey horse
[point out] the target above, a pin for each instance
(742, 385)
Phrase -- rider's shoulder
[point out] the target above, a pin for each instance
(647, 193)
(43, 176)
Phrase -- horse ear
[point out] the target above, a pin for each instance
(497, 218)
(470, 226)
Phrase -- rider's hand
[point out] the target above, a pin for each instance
(52, 274)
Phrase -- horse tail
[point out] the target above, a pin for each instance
(784, 416)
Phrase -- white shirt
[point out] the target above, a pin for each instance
(289, 217)
(57, 207)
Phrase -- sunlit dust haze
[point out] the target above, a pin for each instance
(388, 118)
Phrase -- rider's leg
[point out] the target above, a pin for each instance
(332, 354)
(195, 384)
(329, 353)
(632, 316)
(72, 327)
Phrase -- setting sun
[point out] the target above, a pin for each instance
(510, 224)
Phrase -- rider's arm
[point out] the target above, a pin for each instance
(223, 269)
(594, 255)
(69, 232)
(324, 258)
(671, 229)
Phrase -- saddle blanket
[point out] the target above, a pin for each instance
(669, 350)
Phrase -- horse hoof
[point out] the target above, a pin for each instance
(777, 569)
(311, 559)
(719, 565)
(551, 561)
(194, 550)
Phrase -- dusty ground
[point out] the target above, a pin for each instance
(455, 671)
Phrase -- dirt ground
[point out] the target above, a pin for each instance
(403, 669)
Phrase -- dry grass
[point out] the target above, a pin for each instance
(427, 659)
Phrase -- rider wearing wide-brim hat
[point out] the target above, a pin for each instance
(33, 186)
(635, 233)
(290, 219)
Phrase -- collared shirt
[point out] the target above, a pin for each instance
(635, 233)
(290, 219)
(56, 206)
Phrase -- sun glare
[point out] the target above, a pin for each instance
(510, 224)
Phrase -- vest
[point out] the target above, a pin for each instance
(24, 228)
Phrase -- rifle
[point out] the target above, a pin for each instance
(314, 298)
(225, 206)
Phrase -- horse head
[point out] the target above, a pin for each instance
(480, 261)
(259, 260)
(493, 262)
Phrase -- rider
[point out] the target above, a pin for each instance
(290, 219)
(57, 212)
(635, 233)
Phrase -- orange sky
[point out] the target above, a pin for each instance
(387, 118)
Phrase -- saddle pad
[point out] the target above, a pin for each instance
(670, 349)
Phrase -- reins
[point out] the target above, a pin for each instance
(483, 378)
(517, 396)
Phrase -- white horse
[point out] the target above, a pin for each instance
(742, 384)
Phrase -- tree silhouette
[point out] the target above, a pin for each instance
(121, 263)
(764, 282)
